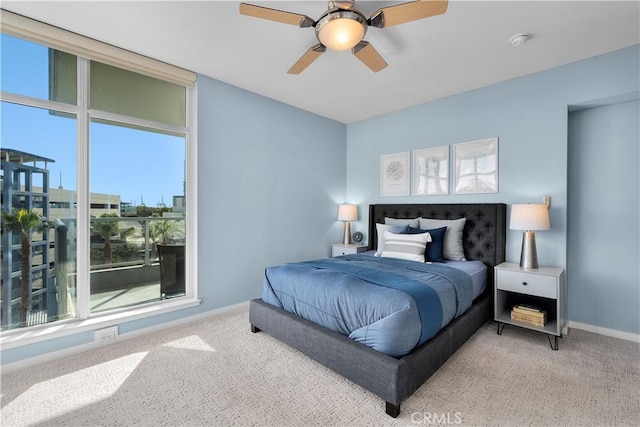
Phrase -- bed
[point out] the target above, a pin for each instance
(395, 378)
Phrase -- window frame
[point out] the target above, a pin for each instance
(86, 50)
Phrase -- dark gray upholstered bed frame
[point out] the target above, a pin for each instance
(390, 378)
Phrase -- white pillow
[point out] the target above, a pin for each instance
(405, 246)
(453, 248)
(381, 228)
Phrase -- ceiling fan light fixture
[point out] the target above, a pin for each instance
(341, 29)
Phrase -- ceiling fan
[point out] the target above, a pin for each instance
(343, 27)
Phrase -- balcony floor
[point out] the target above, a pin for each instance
(108, 300)
(126, 297)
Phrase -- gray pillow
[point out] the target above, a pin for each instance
(453, 248)
(415, 222)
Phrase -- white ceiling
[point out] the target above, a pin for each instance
(464, 49)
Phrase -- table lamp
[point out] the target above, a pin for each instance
(530, 218)
(347, 213)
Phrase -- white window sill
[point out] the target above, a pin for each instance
(20, 337)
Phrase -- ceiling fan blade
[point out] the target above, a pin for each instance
(370, 57)
(305, 60)
(276, 15)
(407, 12)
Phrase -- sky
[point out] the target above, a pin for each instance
(140, 166)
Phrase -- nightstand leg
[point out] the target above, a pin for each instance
(554, 345)
(500, 329)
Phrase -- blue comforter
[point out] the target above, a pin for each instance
(391, 305)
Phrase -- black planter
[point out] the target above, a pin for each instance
(171, 269)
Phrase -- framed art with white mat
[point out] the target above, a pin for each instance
(476, 166)
(394, 174)
(431, 171)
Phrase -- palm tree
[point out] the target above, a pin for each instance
(165, 230)
(106, 230)
(24, 222)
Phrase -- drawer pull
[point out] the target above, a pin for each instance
(524, 283)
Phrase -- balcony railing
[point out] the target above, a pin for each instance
(124, 272)
(134, 242)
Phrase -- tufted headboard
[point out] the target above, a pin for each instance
(484, 235)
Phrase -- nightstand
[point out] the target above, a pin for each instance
(339, 249)
(543, 288)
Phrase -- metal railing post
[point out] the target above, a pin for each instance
(146, 241)
(61, 263)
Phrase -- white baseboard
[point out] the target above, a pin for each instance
(627, 336)
(55, 355)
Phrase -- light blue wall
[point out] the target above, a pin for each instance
(604, 220)
(529, 115)
(270, 177)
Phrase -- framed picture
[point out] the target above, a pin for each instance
(431, 171)
(394, 174)
(476, 166)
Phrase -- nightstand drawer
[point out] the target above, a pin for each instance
(339, 249)
(527, 283)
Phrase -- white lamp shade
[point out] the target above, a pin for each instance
(529, 217)
(347, 213)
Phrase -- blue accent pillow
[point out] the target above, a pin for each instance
(399, 229)
(435, 248)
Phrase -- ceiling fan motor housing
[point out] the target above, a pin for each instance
(341, 4)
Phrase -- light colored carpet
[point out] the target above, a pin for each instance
(216, 373)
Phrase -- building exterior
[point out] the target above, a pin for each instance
(20, 173)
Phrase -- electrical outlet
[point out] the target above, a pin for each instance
(106, 334)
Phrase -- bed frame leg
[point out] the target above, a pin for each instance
(254, 329)
(393, 410)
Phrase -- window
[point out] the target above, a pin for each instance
(144, 167)
(27, 69)
(103, 167)
(38, 151)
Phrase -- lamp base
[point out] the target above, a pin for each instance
(528, 253)
(347, 233)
